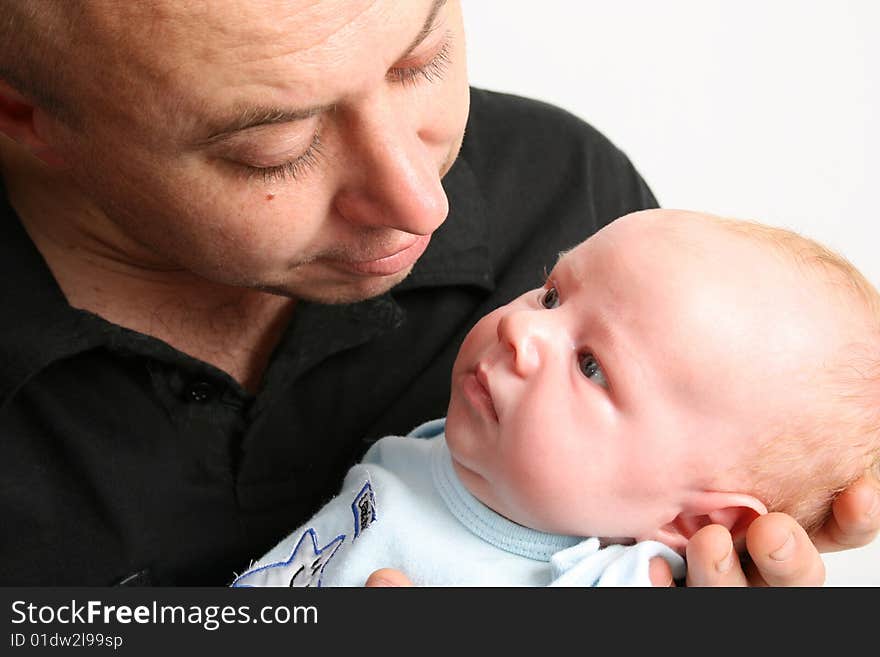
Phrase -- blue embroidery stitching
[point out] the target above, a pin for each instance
(364, 509)
(311, 570)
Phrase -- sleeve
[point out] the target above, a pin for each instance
(588, 564)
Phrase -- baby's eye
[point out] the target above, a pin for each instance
(550, 299)
(592, 370)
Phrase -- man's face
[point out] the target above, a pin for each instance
(638, 377)
(287, 145)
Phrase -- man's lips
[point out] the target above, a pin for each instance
(385, 265)
(476, 389)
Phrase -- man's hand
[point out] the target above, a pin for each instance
(780, 550)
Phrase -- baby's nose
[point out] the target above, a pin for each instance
(525, 334)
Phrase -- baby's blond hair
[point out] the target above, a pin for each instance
(800, 468)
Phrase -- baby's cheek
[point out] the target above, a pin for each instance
(536, 489)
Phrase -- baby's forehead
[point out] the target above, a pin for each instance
(691, 259)
(708, 282)
(653, 250)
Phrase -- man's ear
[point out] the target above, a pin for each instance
(18, 119)
(735, 511)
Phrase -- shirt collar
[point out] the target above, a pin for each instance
(37, 325)
(459, 250)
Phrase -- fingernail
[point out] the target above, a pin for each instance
(726, 563)
(785, 551)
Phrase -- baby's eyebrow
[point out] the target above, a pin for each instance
(562, 254)
(559, 257)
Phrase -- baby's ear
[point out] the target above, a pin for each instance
(735, 511)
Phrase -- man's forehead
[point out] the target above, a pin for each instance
(308, 21)
(218, 24)
(315, 78)
(208, 57)
(210, 35)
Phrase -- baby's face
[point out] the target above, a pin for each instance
(606, 401)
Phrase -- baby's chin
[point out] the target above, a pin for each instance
(487, 495)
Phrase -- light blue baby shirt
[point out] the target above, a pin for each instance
(404, 507)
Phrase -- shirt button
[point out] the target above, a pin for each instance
(200, 392)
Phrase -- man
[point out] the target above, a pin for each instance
(189, 186)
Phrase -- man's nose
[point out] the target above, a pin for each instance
(394, 179)
(528, 336)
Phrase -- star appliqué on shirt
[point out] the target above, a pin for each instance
(303, 567)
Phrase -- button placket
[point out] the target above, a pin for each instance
(199, 392)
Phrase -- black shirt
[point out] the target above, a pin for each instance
(122, 458)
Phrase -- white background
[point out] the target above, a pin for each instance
(760, 109)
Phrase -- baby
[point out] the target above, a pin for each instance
(675, 370)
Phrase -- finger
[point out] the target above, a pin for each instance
(782, 553)
(855, 518)
(711, 559)
(388, 577)
(659, 572)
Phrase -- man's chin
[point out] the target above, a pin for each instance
(348, 291)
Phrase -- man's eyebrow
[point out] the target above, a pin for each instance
(427, 28)
(252, 117)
